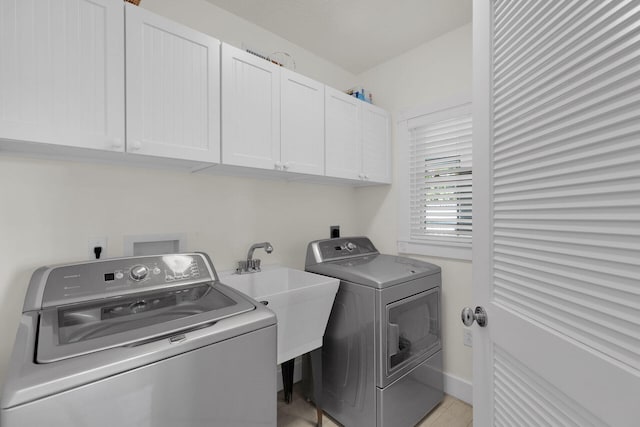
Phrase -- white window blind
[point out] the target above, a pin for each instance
(439, 169)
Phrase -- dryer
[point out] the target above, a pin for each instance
(140, 341)
(382, 349)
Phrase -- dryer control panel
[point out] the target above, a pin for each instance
(68, 284)
(333, 249)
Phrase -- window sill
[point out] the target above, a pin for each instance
(436, 249)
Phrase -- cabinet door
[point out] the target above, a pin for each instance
(250, 110)
(61, 78)
(376, 144)
(342, 135)
(302, 119)
(173, 89)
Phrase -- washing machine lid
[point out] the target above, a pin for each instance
(356, 260)
(78, 329)
(93, 306)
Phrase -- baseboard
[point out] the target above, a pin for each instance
(459, 388)
(297, 373)
(454, 386)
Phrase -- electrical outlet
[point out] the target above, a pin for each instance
(467, 337)
(93, 242)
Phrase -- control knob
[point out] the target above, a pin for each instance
(139, 272)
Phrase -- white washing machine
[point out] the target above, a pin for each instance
(151, 341)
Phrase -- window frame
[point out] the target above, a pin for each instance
(428, 246)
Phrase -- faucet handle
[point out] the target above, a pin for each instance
(248, 266)
(242, 267)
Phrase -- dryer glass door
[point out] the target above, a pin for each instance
(413, 329)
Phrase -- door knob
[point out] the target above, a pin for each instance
(479, 315)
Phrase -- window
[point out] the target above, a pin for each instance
(436, 194)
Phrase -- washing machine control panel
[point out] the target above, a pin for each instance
(104, 278)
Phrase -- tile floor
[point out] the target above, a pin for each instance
(450, 413)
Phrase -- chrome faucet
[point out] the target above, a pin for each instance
(251, 265)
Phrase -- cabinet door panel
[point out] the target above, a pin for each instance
(376, 141)
(342, 135)
(302, 118)
(173, 89)
(61, 79)
(250, 110)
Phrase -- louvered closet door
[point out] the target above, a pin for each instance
(557, 212)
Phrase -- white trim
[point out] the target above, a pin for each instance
(427, 247)
(403, 182)
(459, 388)
(434, 116)
(451, 102)
(483, 358)
(434, 248)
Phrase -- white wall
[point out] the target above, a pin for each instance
(50, 208)
(231, 29)
(433, 72)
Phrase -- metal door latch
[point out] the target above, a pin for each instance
(468, 316)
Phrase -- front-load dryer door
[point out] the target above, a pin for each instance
(410, 333)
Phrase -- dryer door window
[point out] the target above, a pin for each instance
(413, 328)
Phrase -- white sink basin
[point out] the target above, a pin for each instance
(302, 302)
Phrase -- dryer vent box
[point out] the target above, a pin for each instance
(157, 244)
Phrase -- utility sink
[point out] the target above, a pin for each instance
(302, 302)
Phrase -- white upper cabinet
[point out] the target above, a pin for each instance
(61, 72)
(358, 139)
(302, 124)
(376, 144)
(173, 89)
(343, 138)
(250, 110)
(63, 68)
(272, 118)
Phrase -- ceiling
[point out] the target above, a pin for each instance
(354, 34)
